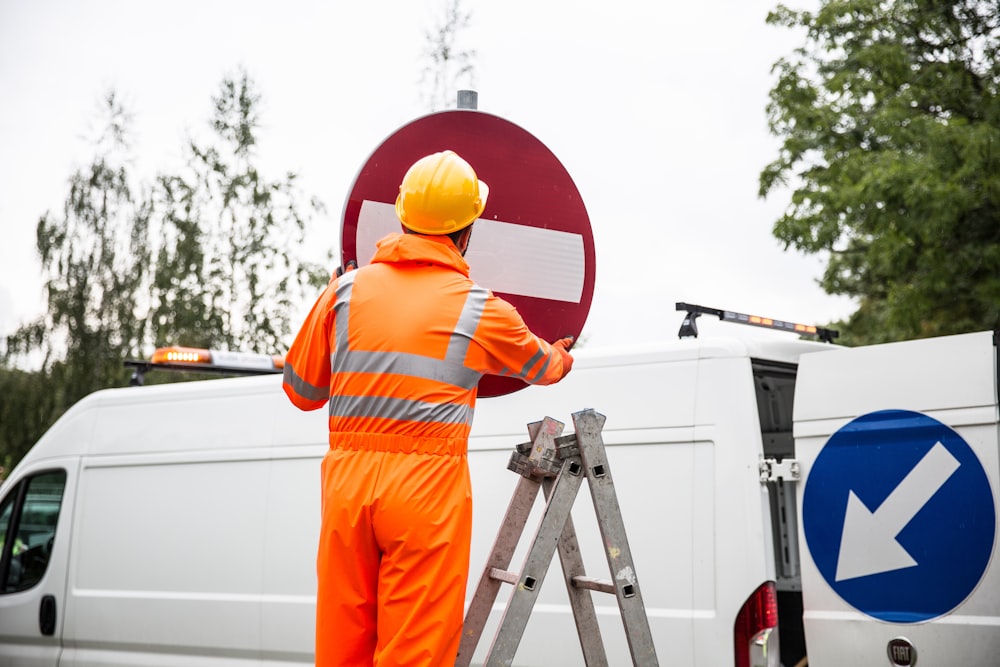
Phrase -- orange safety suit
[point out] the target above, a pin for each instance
(397, 349)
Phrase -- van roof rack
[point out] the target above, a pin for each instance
(200, 360)
(689, 327)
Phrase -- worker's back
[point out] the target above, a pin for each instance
(401, 331)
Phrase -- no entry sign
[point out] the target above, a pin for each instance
(533, 245)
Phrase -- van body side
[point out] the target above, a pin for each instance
(186, 523)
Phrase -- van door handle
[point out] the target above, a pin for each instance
(47, 615)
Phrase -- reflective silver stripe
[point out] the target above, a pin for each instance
(523, 374)
(400, 409)
(306, 390)
(544, 369)
(451, 370)
(342, 317)
(410, 365)
(468, 322)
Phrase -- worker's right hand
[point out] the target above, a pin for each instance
(562, 346)
(351, 265)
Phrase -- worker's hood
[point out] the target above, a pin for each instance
(399, 248)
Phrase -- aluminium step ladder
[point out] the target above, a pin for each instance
(558, 465)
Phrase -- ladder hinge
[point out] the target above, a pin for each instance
(771, 470)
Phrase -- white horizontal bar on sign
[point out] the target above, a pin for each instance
(375, 220)
(528, 261)
(503, 256)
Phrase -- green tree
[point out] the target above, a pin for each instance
(447, 67)
(207, 257)
(889, 118)
(94, 258)
(27, 406)
(228, 271)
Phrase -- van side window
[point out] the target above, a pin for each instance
(28, 517)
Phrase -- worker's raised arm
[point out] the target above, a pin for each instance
(307, 364)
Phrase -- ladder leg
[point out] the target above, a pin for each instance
(542, 434)
(588, 424)
(581, 601)
(500, 557)
(536, 564)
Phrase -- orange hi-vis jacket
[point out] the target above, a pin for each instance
(397, 349)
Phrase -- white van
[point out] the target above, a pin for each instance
(898, 445)
(177, 524)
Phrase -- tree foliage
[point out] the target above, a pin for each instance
(889, 118)
(209, 255)
(228, 272)
(93, 256)
(29, 402)
(93, 259)
(447, 66)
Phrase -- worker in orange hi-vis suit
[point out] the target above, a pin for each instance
(397, 348)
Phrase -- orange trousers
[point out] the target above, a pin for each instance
(393, 555)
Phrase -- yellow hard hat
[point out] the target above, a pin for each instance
(440, 194)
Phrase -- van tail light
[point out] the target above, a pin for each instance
(756, 631)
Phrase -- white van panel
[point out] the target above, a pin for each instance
(288, 616)
(681, 430)
(137, 529)
(185, 409)
(178, 543)
(741, 559)
(70, 435)
(649, 401)
(881, 377)
(208, 551)
(952, 380)
(635, 396)
(660, 503)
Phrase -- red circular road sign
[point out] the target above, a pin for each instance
(533, 245)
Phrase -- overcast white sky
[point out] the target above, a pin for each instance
(656, 109)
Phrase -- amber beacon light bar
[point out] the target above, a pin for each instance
(206, 361)
(689, 327)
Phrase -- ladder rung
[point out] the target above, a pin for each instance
(503, 575)
(593, 584)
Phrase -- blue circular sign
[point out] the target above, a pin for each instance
(898, 515)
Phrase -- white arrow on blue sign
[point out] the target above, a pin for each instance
(899, 516)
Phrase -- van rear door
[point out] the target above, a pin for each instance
(898, 446)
